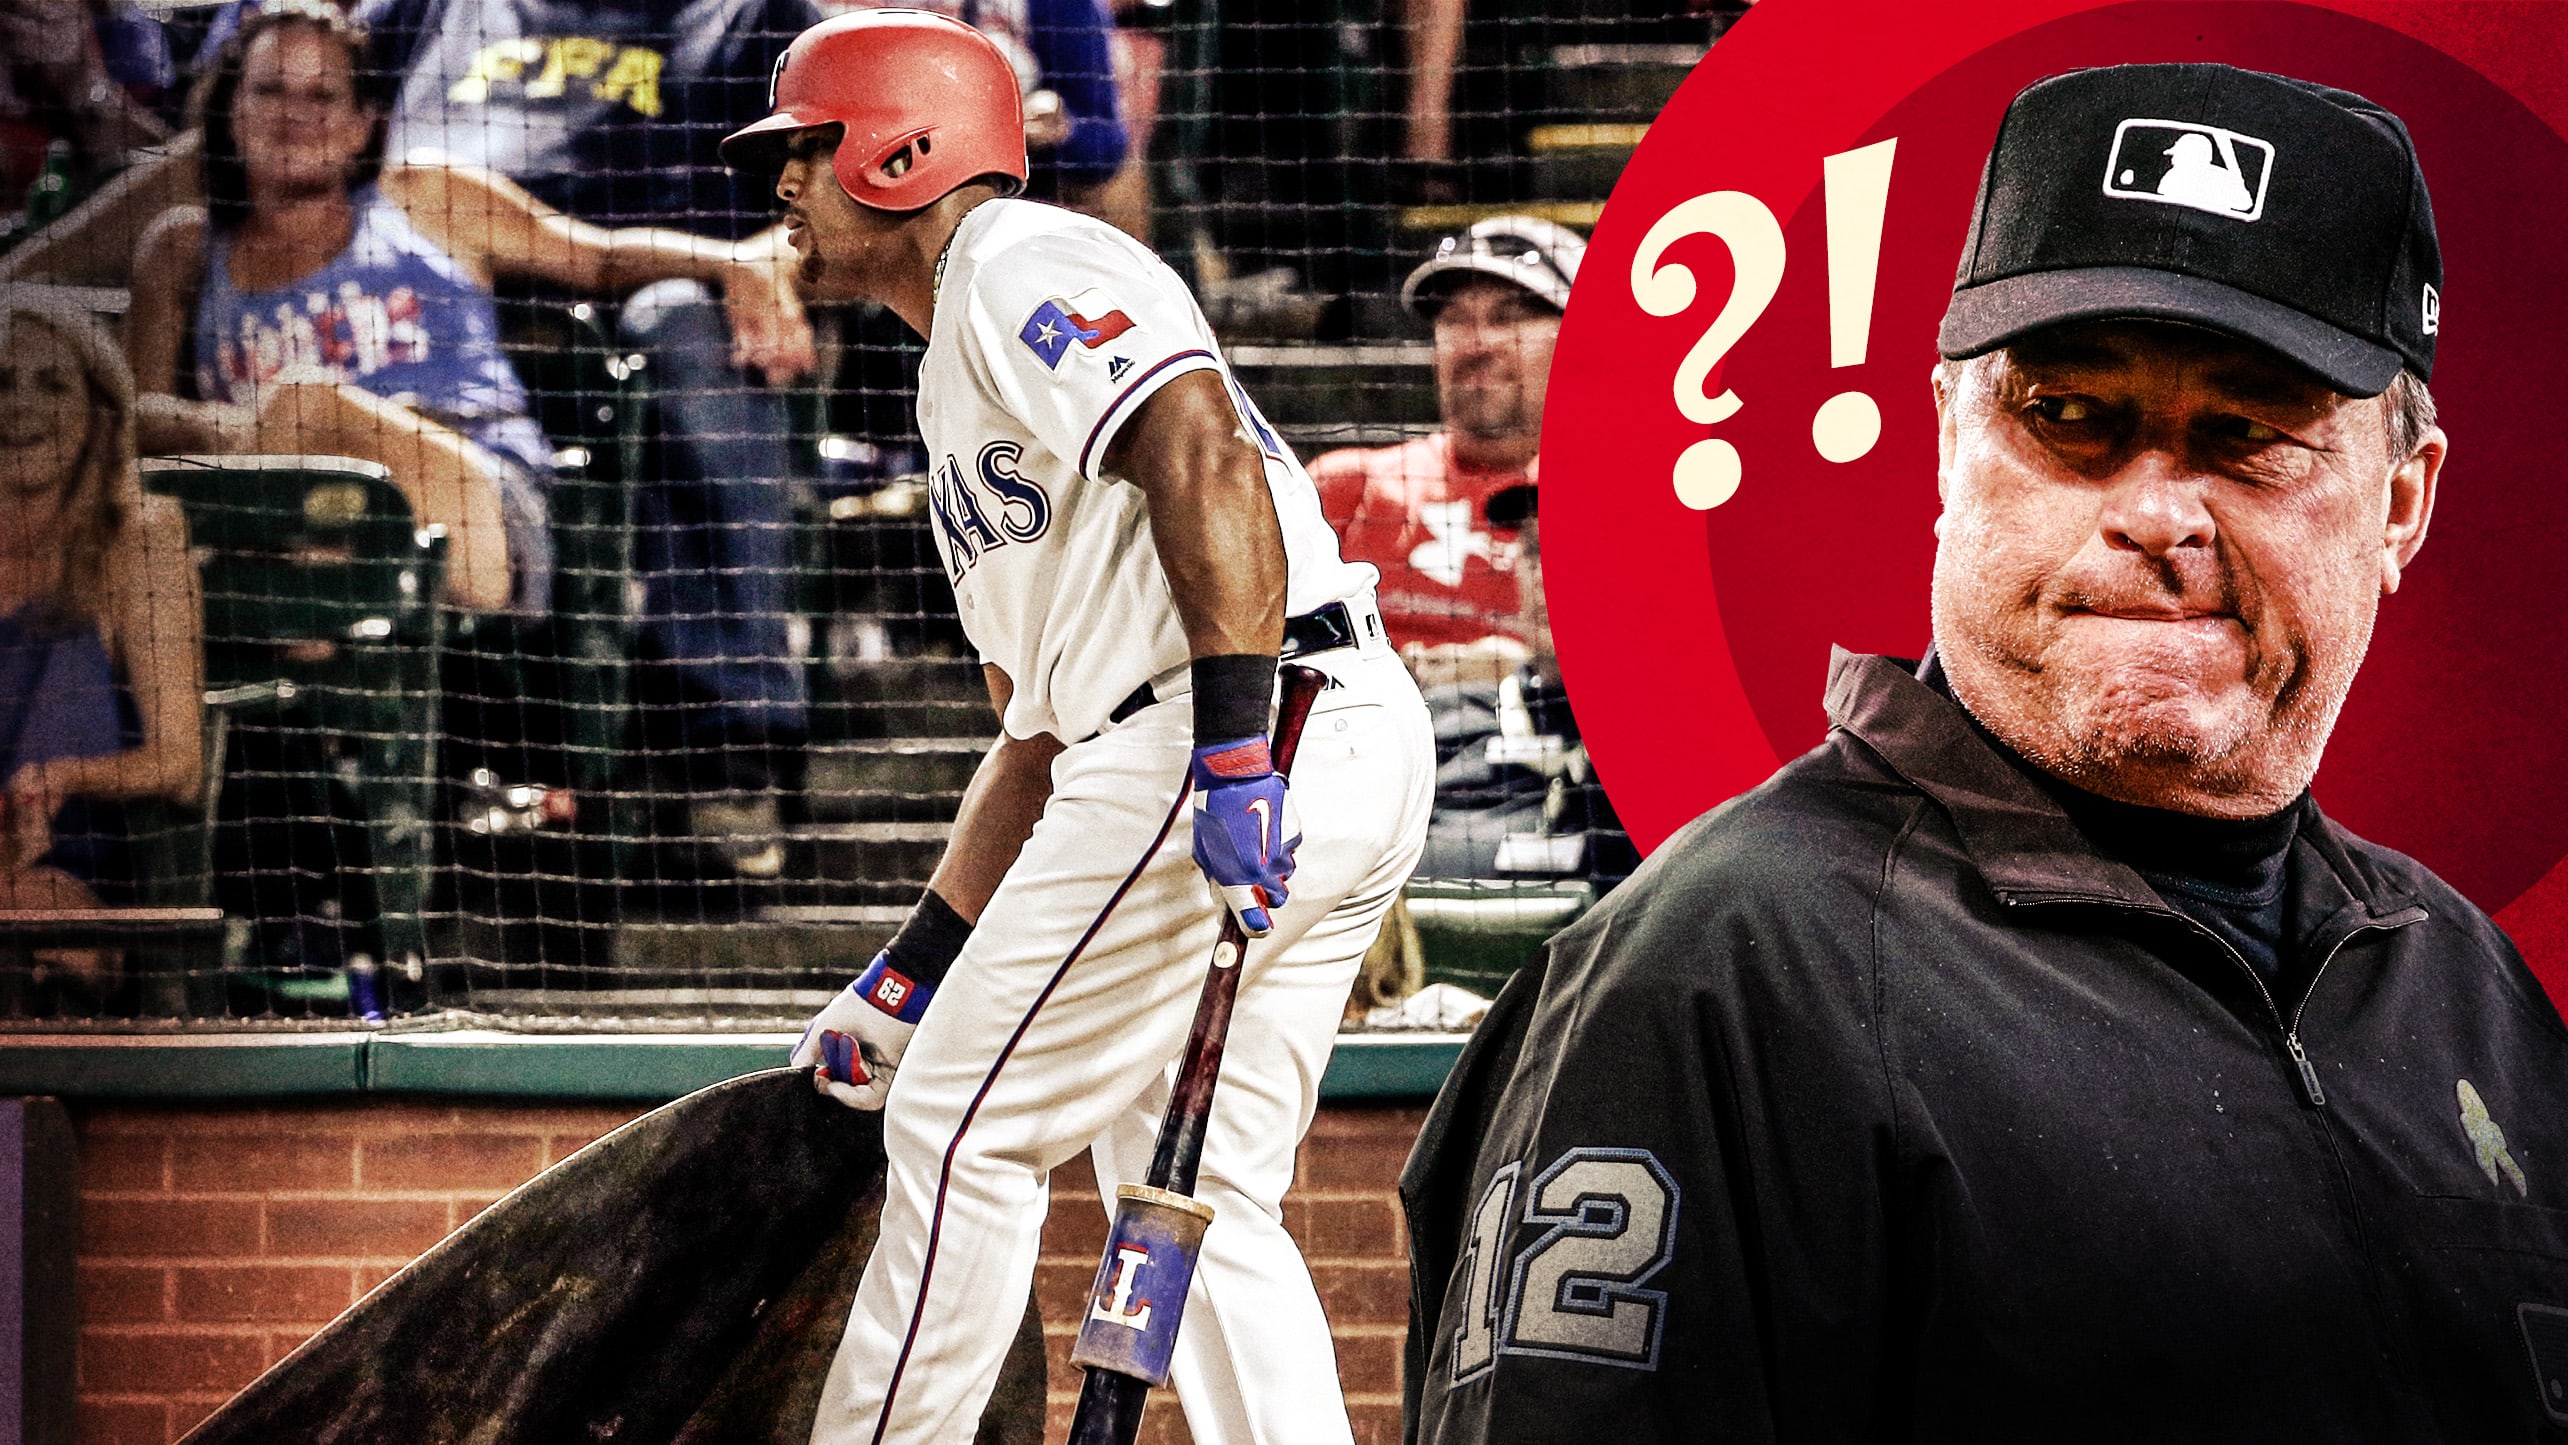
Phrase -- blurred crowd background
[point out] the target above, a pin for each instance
(448, 574)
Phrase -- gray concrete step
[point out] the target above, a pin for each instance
(1616, 82)
(1323, 390)
(884, 854)
(779, 944)
(910, 679)
(779, 1005)
(890, 780)
(900, 697)
(1580, 162)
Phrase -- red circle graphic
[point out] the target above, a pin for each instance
(1696, 642)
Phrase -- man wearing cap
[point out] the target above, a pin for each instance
(610, 111)
(1420, 511)
(2034, 1058)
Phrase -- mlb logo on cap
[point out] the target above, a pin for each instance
(2178, 163)
(2280, 211)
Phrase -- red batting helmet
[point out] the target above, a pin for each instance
(927, 103)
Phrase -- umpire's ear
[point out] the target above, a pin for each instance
(2411, 506)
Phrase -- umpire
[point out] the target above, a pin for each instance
(2034, 1059)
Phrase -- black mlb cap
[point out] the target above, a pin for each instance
(2284, 212)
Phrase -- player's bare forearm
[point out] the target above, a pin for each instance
(1000, 806)
(1211, 515)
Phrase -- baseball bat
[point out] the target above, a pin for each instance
(1160, 1221)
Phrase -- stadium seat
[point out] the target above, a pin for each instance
(583, 392)
(541, 707)
(178, 945)
(1477, 932)
(315, 575)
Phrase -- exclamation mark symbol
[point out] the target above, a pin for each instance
(1858, 184)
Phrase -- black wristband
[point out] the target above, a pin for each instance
(929, 941)
(1234, 696)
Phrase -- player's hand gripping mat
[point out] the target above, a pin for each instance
(682, 1281)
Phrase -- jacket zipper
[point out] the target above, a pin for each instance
(2315, 1096)
(2311, 1092)
(2291, 1029)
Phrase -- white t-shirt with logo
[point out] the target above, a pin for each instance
(1050, 331)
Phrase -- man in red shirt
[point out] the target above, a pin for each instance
(1420, 511)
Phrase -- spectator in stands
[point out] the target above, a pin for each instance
(57, 83)
(101, 668)
(1420, 511)
(340, 306)
(611, 111)
(1449, 521)
(223, 22)
(1431, 32)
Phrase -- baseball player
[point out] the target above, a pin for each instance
(1132, 549)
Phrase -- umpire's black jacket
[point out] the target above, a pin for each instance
(1880, 1106)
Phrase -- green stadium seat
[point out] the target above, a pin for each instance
(315, 575)
(1477, 932)
(177, 943)
(584, 392)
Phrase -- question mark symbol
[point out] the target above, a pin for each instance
(1707, 473)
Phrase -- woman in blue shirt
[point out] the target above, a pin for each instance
(100, 666)
(340, 305)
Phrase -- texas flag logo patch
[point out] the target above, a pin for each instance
(1055, 326)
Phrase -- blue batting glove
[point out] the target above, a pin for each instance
(1245, 830)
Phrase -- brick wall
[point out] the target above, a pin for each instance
(214, 1240)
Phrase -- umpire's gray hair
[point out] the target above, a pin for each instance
(2409, 413)
(2407, 408)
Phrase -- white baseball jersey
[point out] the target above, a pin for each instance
(1050, 331)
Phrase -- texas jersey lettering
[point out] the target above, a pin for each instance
(991, 507)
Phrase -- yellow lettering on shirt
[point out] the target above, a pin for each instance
(500, 62)
(632, 78)
(635, 80)
(573, 57)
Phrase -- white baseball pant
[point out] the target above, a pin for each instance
(1060, 1028)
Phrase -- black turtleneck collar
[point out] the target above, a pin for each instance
(2229, 874)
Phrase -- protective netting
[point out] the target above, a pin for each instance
(536, 661)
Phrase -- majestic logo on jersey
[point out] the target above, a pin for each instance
(1055, 325)
(990, 509)
(1116, 367)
